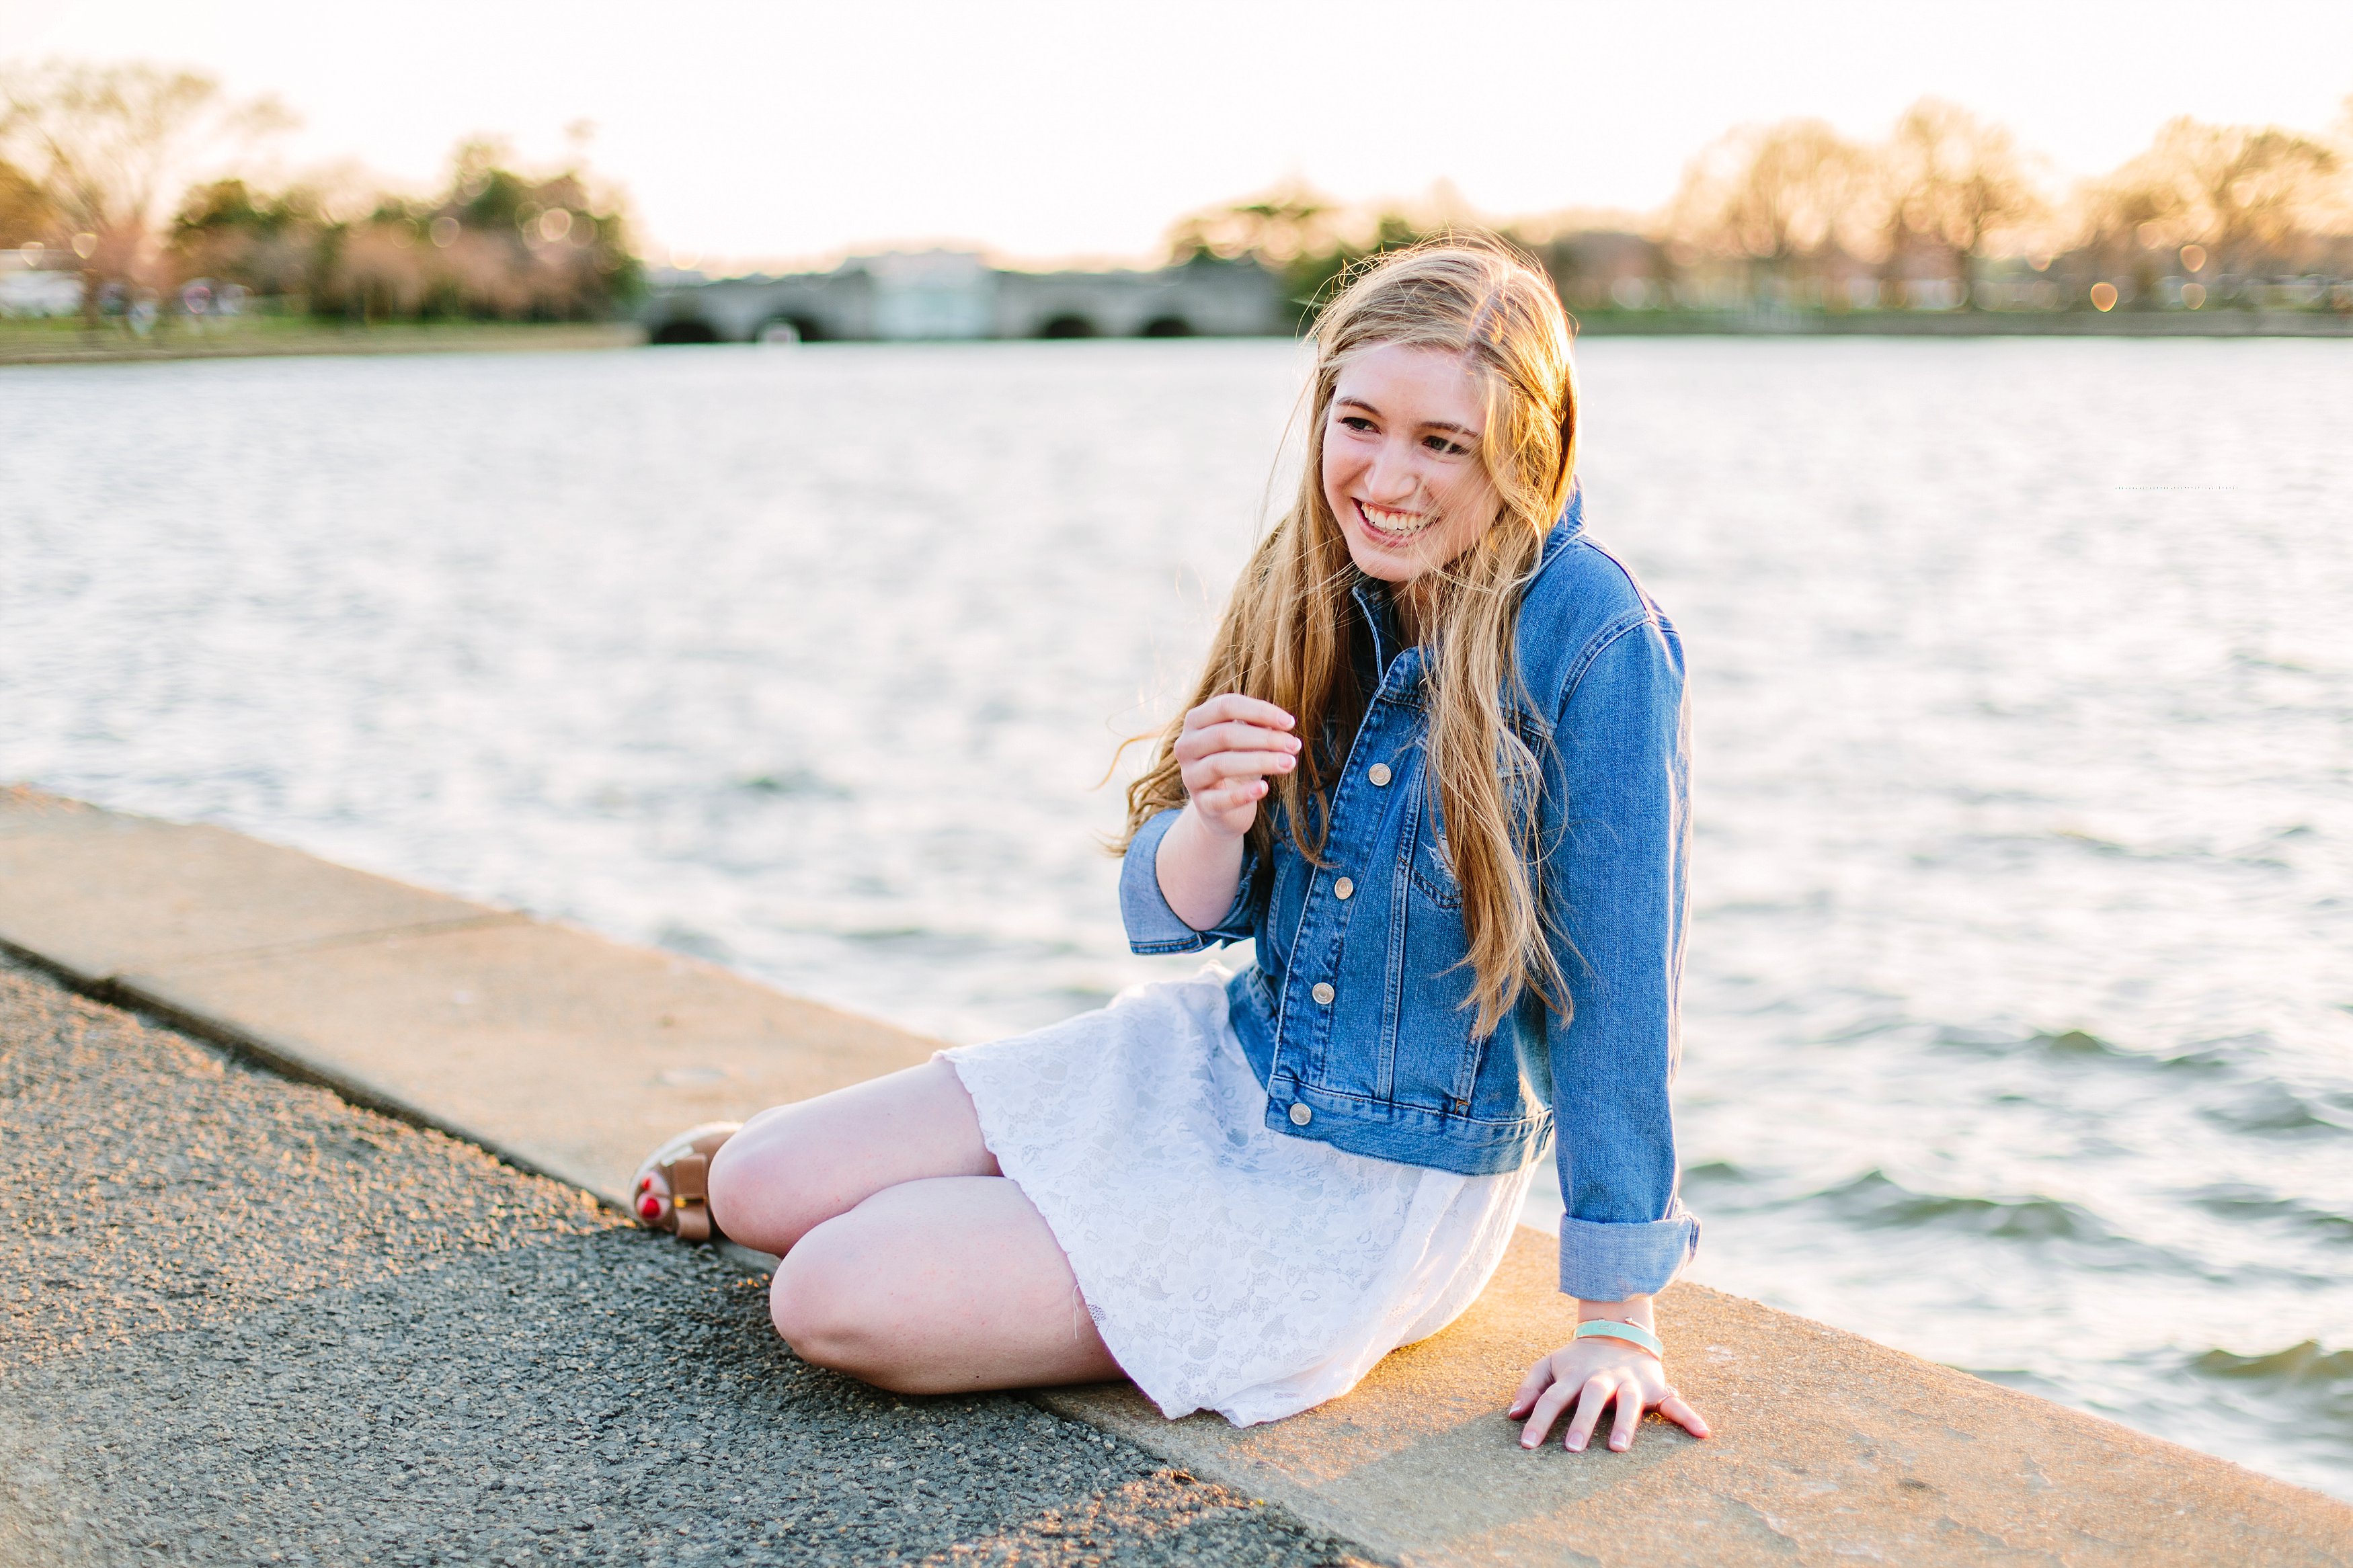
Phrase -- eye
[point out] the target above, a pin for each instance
(1356, 422)
(1446, 444)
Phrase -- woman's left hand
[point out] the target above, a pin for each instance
(1596, 1372)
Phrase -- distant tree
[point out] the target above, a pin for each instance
(1278, 227)
(110, 148)
(2250, 194)
(495, 244)
(1308, 238)
(230, 232)
(25, 216)
(1781, 196)
(1950, 182)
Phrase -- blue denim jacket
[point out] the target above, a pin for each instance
(1356, 1016)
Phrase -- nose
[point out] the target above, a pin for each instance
(1392, 477)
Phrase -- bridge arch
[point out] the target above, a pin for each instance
(803, 327)
(1069, 324)
(1166, 326)
(685, 330)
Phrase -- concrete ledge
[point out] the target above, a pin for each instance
(561, 1052)
(1829, 1448)
(571, 1055)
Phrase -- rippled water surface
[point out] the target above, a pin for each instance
(2019, 1013)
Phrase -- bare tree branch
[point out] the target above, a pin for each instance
(111, 146)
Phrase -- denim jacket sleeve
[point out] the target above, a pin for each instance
(1152, 925)
(1617, 811)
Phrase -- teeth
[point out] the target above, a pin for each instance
(1390, 521)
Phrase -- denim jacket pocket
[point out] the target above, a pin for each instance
(1429, 867)
(1435, 1064)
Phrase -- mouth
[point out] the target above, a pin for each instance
(1389, 526)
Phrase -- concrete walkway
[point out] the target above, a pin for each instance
(569, 1055)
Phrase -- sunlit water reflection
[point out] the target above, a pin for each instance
(2019, 1024)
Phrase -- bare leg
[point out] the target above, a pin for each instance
(908, 1261)
(946, 1285)
(793, 1167)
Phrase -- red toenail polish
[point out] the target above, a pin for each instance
(644, 1182)
(649, 1206)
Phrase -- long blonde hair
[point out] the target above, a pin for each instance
(1286, 635)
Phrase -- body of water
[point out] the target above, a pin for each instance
(2020, 1008)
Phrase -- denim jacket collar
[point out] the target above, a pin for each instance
(1376, 601)
(1397, 664)
(1567, 529)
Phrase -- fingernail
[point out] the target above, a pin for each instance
(1575, 1447)
(1526, 1444)
(1617, 1444)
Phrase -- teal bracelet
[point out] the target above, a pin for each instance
(1633, 1333)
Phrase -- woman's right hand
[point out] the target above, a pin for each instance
(1228, 747)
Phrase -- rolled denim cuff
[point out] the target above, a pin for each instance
(1152, 925)
(1610, 1262)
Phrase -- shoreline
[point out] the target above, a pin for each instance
(275, 341)
(566, 1054)
(1965, 324)
(304, 342)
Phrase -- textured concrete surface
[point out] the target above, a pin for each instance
(567, 1054)
(575, 1053)
(248, 1322)
(1827, 1448)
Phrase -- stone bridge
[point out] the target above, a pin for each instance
(946, 294)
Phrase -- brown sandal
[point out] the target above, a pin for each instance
(685, 1164)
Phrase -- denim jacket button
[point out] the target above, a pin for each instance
(1378, 773)
(1343, 888)
(1323, 993)
(1300, 1115)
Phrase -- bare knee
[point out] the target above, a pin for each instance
(731, 1186)
(761, 1186)
(825, 1305)
(793, 1167)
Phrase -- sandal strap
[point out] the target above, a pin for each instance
(689, 1174)
(690, 1197)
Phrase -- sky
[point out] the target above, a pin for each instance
(775, 129)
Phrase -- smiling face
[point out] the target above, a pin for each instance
(1401, 467)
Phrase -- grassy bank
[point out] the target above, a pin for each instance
(1967, 323)
(68, 343)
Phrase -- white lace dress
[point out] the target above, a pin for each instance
(1228, 1268)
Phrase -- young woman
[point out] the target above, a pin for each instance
(1435, 770)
